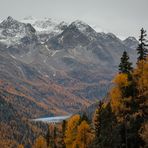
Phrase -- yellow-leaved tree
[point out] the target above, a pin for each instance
(40, 142)
(20, 146)
(85, 135)
(120, 96)
(140, 75)
(71, 131)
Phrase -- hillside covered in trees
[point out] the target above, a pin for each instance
(120, 121)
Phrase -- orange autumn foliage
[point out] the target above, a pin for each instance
(84, 135)
(116, 97)
(141, 72)
(118, 101)
(71, 131)
(20, 146)
(121, 80)
(40, 142)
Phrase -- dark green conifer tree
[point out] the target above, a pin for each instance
(106, 129)
(125, 66)
(142, 47)
(84, 117)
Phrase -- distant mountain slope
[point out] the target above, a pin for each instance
(15, 127)
(62, 71)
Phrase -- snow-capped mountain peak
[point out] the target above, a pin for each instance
(84, 28)
(12, 31)
(10, 19)
(45, 25)
(11, 27)
(9, 22)
(80, 25)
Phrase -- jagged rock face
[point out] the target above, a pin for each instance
(80, 39)
(76, 60)
(14, 32)
(12, 28)
(76, 34)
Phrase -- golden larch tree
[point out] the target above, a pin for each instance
(84, 135)
(71, 131)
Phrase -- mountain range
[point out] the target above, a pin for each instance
(51, 68)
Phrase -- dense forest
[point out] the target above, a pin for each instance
(120, 121)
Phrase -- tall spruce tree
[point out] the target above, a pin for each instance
(125, 66)
(142, 47)
(106, 131)
(125, 87)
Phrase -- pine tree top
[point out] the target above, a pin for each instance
(125, 66)
(142, 47)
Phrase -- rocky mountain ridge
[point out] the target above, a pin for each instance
(63, 71)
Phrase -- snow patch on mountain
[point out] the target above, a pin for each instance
(45, 25)
(12, 31)
(85, 29)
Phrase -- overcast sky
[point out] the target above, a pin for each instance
(122, 17)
